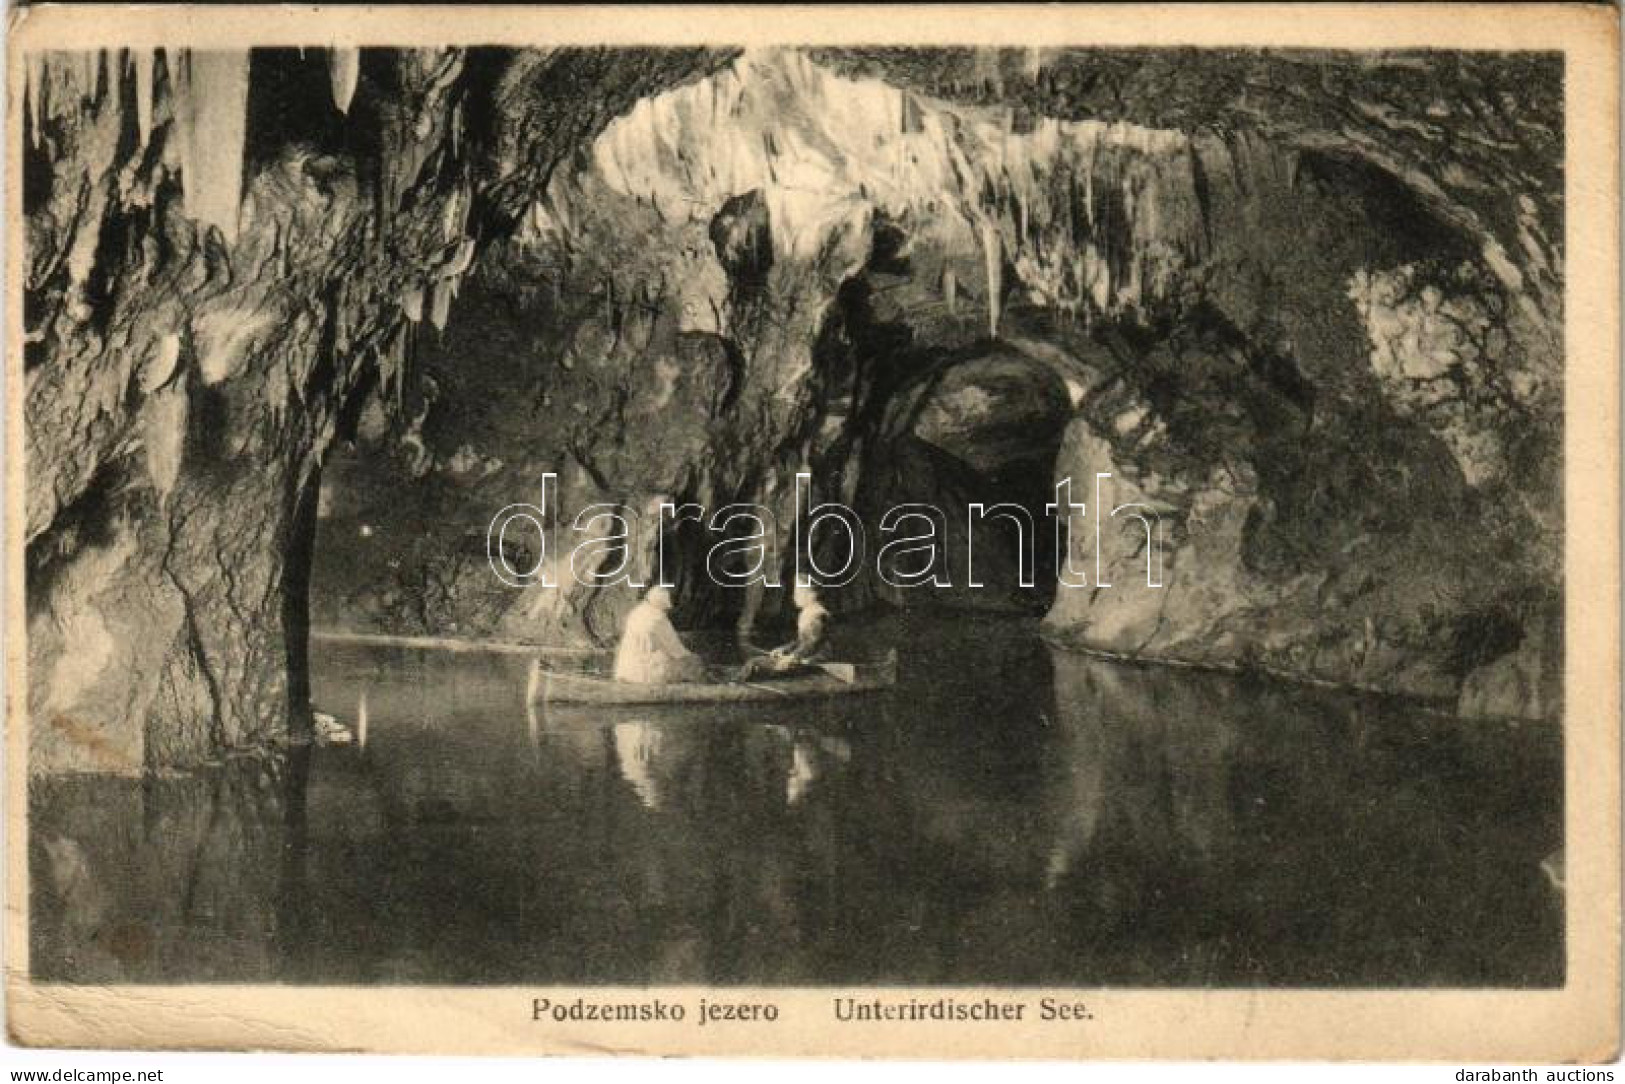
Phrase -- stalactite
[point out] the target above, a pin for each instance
(440, 295)
(988, 74)
(402, 350)
(454, 216)
(1034, 62)
(141, 62)
(390, 359)
(211, 115)
(162, 364)
(343, 70)
(541, 222)
(110, 75)
(86, 65)
(993, 255)
(462, 261)
(913, 121)
(34, 75)
(412, 304)
(177, 64)
(275, 396)
(1049, 188)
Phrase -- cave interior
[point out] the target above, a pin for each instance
(300, 320)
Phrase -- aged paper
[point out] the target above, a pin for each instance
(999, 532)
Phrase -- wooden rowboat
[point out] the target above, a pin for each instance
(550, 684)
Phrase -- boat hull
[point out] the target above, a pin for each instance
(575, 687)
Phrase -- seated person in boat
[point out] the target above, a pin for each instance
(809, 646)
(651, 652)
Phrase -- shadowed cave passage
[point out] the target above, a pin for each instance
(982, 430)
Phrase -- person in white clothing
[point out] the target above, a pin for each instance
(651, 652)
(809, 646)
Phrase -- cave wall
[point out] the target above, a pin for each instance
(1351, 439)
(1320, 334)
(222, 249)
(1381, 235)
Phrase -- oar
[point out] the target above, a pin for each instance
(762, 688)
(844, 672)
(756, 685)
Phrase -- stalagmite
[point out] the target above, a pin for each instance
(343, 69)
(212, 113)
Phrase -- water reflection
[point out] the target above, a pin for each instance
(636, 746)
(1007, 815)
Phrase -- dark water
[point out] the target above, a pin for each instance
(1008, 815)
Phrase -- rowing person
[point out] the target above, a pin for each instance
(812, 635)
(651, 652)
